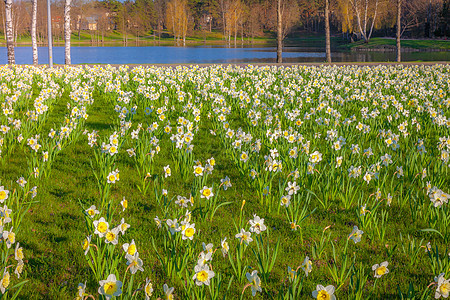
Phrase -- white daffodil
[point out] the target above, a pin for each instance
(202, 275)
(134, 263)
(322, 292)
(380, 269)
(257, 225)
(110, 287)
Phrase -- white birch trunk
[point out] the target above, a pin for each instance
(373, 20)
(9, 32)
(33, 31)
(235, 26)
(363, 27)
(14, 26)
(365, 18)
(358, 18)
(67, 31)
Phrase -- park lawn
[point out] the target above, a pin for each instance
(406, 43)
(116, 37)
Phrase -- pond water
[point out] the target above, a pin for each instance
(208, 54)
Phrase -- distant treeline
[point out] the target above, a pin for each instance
(233, 19)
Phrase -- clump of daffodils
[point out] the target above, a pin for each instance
(106, 237)
(8, 236)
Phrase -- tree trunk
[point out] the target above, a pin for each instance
(223, 19)
(173, 26)
(428, 25)
(358, 18)
(15, 29)
(80, 17)
(235, 28)
(279, 34)
(365, 22)
(4, 25)
(399, 14)
(9, 32)
(67, 32)
(373, 21)
(308, 22)
(49, 35)
(159, 32)
(33, 31)
(185, 17)
(327, 31)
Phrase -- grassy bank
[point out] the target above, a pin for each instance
(87, 38)
(198, 38)
(379, 43)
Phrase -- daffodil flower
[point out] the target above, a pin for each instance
(111, 287)
(380, 269)
(202, 275)
(322, 292)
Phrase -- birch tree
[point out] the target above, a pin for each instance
(327, 31)
(67, 32)
(177, 19)
(233, 17)
(224, 4)
(9, 32)
(279, 33)
(33, 31)
(366, 12)
(20, 19)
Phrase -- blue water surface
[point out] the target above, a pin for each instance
(208, 54)
(154, 55)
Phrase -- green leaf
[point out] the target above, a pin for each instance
(432, 230)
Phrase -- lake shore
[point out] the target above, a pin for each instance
(388, 44)
(379, 44)
(311, 64)
(216, 54)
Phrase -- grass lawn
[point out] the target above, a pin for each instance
(406, 43)
(117, 37)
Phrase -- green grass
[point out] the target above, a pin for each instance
(53, 230)
(117, 37)
(406, 43)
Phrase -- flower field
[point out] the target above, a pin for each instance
(225, 182)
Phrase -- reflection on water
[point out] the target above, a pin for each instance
(208, 54)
